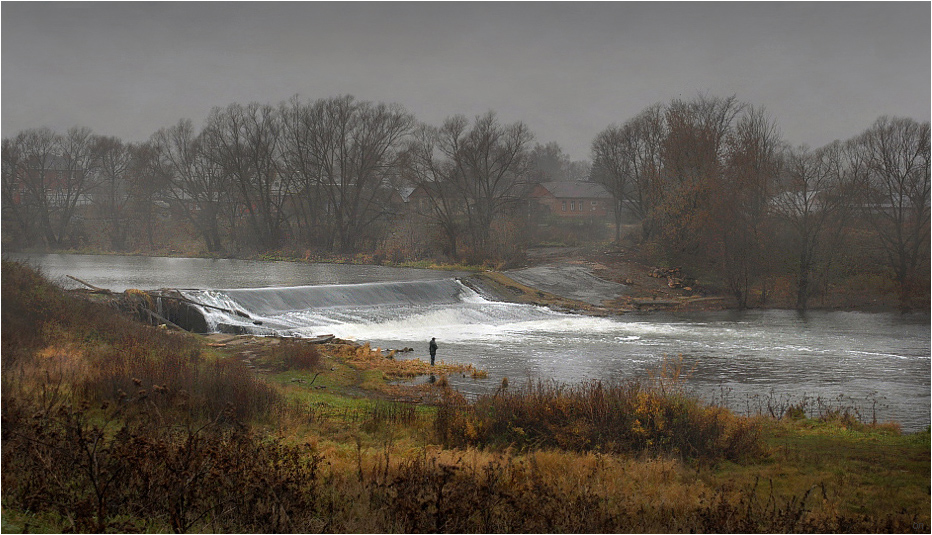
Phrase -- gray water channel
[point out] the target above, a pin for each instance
(878, 363)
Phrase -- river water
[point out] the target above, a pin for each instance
(878, 363)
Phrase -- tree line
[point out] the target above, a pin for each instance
(716, 186)
(711, 181)
(258, 177)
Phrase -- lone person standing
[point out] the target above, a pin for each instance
(433, 350)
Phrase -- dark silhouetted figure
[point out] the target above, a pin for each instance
(433, 350)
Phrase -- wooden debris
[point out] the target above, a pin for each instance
(91, 286)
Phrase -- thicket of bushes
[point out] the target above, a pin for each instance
(295, 355)
(655, 417)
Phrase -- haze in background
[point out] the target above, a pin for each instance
(825, 71)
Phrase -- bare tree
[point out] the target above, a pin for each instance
(470, 175)
(352, 148)
(626, 161)
(548, 163)
(693, 156)
(77, 181)
(815, 202)
(436, 177)
(199, 186)
(490, 161)
(740, 226)
(577, 170)
(895, 155)
(19, 214)
(50, 177)
(300, 164)
(113, 193)
(613, 166)
(34, 179)
(699, 175)
(243, 141)
(148, 185)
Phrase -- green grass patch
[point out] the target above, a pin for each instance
(873, 471)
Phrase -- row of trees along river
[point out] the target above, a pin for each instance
(710, 183)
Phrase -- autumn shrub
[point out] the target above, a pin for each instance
(632, 416)
(95, 469)
(295, 354)
(433, 494)
(86, 468)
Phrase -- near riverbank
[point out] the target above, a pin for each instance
(105, 419)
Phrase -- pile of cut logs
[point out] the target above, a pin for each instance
(673, 275)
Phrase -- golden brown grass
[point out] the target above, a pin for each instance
(655, 416)
(365, 358)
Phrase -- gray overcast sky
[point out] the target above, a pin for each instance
(824, 71)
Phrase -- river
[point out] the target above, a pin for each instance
(878, 363)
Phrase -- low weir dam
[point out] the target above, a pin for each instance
(297, 311)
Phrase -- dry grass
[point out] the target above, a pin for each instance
(295, 354)
(654, 416)
(365, 358)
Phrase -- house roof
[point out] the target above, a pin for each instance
(406, 192)
(576, 190)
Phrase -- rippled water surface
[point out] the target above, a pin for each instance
(879, 363)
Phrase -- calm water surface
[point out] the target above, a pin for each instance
(878, 363)
(119, 273)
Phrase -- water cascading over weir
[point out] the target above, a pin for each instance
(270, 311)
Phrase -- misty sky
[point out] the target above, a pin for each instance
(824, 71)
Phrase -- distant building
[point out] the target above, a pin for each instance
(572, 199)
(54, 179)
(420, 201)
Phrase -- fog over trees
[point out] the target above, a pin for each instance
(706, 183)
(715, 185)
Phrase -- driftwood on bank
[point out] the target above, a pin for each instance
(91, 286)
